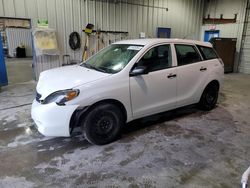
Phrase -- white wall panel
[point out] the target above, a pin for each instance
(42, 8)
(60, 24)
(226, 7)
(32, 10)
(9, 8)
(20, 10)
(1, 8)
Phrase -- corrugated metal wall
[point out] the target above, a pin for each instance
(245, 50)
(16, 37)
(184, 17)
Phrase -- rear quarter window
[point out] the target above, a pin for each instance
(207, 52)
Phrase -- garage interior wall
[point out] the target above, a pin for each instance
(17, 37)
(230, 30)
(183, 17)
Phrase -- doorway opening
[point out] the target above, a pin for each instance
(16, 40)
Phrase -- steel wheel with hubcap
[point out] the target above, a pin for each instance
(103, 124)
(209, 97)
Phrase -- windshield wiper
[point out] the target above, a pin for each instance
(87, 65)
(93, 67)
(99, 69)
(106, 69)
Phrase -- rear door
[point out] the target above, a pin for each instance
(210, 57)
(191, 72)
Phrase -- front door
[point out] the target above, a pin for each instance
(156, 91)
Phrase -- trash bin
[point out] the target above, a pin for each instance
(20, 52)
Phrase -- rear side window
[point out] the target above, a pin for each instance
(207, 53)
(186, 54)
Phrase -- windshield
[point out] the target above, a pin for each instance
(113, 58)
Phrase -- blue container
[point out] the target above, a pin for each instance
(3, 73)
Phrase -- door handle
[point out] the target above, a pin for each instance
(202, 69)
(171, 76)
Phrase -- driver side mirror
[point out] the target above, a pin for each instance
(139, 70)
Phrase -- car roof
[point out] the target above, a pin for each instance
(154, 41)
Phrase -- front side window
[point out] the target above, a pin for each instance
(113, 58)
(186, 54)
(157, 58)
(208, 53)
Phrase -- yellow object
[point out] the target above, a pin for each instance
(85, 56)
(86, 46)
(46, 41)
(88, 31)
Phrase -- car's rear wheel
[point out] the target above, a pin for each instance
(103, 124)
(209, 97)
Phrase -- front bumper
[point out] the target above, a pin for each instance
(51, 119)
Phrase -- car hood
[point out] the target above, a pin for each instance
(66, 78)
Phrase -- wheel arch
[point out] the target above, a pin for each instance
(111, 101)
(79, 114)
(212, 82)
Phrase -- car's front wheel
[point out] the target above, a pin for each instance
(103, 124)
(209, 97)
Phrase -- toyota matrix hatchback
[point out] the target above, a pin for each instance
(125, 81)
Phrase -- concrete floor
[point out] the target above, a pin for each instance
(183, 148)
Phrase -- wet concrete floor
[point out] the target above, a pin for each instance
(182, 148)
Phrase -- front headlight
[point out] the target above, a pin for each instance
(60, 97)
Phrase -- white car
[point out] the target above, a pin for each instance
(123, 82)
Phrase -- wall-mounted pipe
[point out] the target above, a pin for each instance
(128, 3)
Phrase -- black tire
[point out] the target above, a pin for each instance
(103, 124)
(209, 97)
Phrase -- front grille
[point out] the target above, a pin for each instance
(38, 96)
